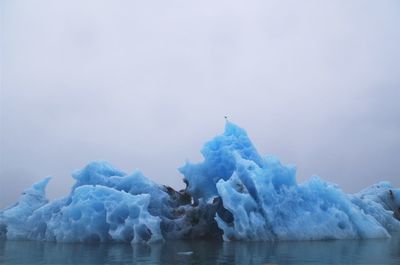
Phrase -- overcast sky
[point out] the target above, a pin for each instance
(143, 84)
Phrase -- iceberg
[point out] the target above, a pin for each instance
(234, 194)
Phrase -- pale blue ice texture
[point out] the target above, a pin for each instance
(234, 194)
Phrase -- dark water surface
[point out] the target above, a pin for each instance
(382, 251)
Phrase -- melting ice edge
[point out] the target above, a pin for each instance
(234, 194)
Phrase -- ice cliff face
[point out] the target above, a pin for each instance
(234, 194)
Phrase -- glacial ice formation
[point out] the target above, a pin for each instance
(234, 194)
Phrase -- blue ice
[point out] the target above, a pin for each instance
(234, 194)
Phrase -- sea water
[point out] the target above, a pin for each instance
(372, 251)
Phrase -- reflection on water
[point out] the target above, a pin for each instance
(383, 251)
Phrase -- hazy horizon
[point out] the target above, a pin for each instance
(145, 84)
